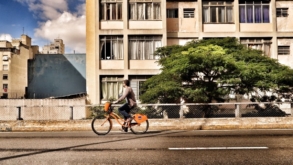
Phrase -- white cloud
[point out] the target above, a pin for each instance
(6, 37)
(67, 27)
(56, 21)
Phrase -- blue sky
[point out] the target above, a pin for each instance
(44, 21)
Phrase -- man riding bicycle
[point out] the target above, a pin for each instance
(129, 95)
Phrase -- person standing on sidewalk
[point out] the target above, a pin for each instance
(129, 95)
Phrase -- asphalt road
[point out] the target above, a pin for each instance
(246, 147)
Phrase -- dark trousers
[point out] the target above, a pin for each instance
(124, 110)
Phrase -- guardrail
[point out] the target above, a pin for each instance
(154, 111)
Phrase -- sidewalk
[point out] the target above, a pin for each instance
(155, 124)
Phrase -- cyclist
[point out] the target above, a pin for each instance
(130, 102)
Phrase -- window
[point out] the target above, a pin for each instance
(188, 13)
(112, 87)
(263, 44)
(5, 77)
(111, 47)
(143, 47)
(136, 83)
(144, 11)
(110, 11)
(5, 58)
(172, 13)
(282, 12)
(5, 67)
(254, 12)
(283, 50)
(218, 12)
(5, 87)
(4, 96)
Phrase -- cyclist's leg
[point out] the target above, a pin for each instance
(124, 110)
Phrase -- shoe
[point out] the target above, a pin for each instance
(125, 129)
(125, 126)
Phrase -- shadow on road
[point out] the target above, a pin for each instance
(146, 135)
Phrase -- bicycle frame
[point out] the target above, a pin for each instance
(115, 116)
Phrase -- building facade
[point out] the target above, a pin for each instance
(14, 61)
(57, 47)
(56, 76)
(123, 34)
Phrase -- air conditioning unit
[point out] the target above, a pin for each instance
(5, 58)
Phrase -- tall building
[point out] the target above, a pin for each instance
(57, 47)
(123, 34)
(14, 61)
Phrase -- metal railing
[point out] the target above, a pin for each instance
(153, 111)
(217, 110)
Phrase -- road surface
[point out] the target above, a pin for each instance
(247, 147)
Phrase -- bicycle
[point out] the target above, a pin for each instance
(138, 125)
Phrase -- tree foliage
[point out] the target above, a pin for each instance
(207, 70)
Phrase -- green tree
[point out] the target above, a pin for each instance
(206, 70)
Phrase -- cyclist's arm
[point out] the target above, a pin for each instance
(126, 91)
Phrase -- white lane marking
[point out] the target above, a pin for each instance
(220, 148)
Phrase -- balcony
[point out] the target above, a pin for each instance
(145, 25)
(112, 64)
(111, 25)
(143, 64)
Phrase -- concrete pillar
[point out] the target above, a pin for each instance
(237, 111)
(236, 16)
(199, 21)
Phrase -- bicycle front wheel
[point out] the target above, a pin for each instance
(101, 126)
(139, 128)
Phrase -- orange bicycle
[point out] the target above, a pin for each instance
(138, 125)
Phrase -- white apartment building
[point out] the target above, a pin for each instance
(14, 60)
(122, 35)
(57, 47)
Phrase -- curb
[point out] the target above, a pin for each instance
(155, 124)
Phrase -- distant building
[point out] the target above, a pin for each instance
(14, 56)
(57, 47)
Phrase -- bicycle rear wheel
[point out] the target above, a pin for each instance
(101, 126)
(139, 128)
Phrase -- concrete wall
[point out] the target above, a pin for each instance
(92, 19)
(154, 124)
(56, 75)
(182, 24)
(145, 25)
(283, 59)
(111, 24)
(285, 24)
(42, 109)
